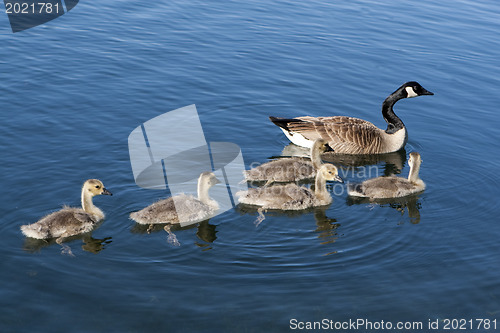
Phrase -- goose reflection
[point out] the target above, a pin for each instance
(90, 244)
(409, 204)
(394, 162)
(326, 227)
(206, 232)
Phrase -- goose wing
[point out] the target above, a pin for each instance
(286, 197)
(346, 135)
(70, 221)
(162, 211)
(177, 209)
(384, 187)
(282, 170)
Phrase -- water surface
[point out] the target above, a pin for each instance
(73, 90)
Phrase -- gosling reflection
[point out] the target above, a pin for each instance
(409, 204)
(90, 244)
(394, 162)
(326, 227)
(205, 232)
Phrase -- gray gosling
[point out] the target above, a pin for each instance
(348, 135)
(285, 170)
(291, 196)
(180, 208)
(391, 187)
(70, 221)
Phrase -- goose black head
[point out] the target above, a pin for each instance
(414, 89)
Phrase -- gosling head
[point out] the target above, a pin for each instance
(330, 172)
(414, 89)
(95, 187)
(414, 159)
(322, 145)
(208, 178)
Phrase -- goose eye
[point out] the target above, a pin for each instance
(97, 186)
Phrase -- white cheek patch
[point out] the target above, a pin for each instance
(410, 92)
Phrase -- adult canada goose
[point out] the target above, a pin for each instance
(70, 221)
(391, 187)
(348, 135)
(291, 196)
(181, 208)
(290, 169)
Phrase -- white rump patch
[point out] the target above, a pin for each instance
(298, 139)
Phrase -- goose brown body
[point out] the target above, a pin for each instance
(349, 135)
(181, 208)
(70, 221)
(392, 187)
(290, 169)
(292, 196)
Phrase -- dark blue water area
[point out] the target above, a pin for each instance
(72, 90)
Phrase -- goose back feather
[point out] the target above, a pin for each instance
(290, 169)
(173, 210)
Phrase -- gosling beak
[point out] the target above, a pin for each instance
(328, 148)
(337, 178)
(106, 192)
(425, 92)
(217, 181)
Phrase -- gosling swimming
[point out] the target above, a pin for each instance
(348, 135)
(290, 169)
(181, 208)
(70, 221)
(392, 187)
(291, 196)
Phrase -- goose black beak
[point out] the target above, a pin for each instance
(426, 92)
(337, 178)
(106, 192)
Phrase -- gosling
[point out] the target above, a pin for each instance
(285, 170)
(70, 221)
(181, 208)
(291, 196)
(391, 187)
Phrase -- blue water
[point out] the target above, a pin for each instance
(73, 89)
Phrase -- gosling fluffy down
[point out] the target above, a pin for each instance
(181, 208)
(292, 196)
(290, 169)
(391, 187)
(70, 221)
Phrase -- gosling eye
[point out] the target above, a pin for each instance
(98, 186)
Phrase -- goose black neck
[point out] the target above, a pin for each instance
(394, 124)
